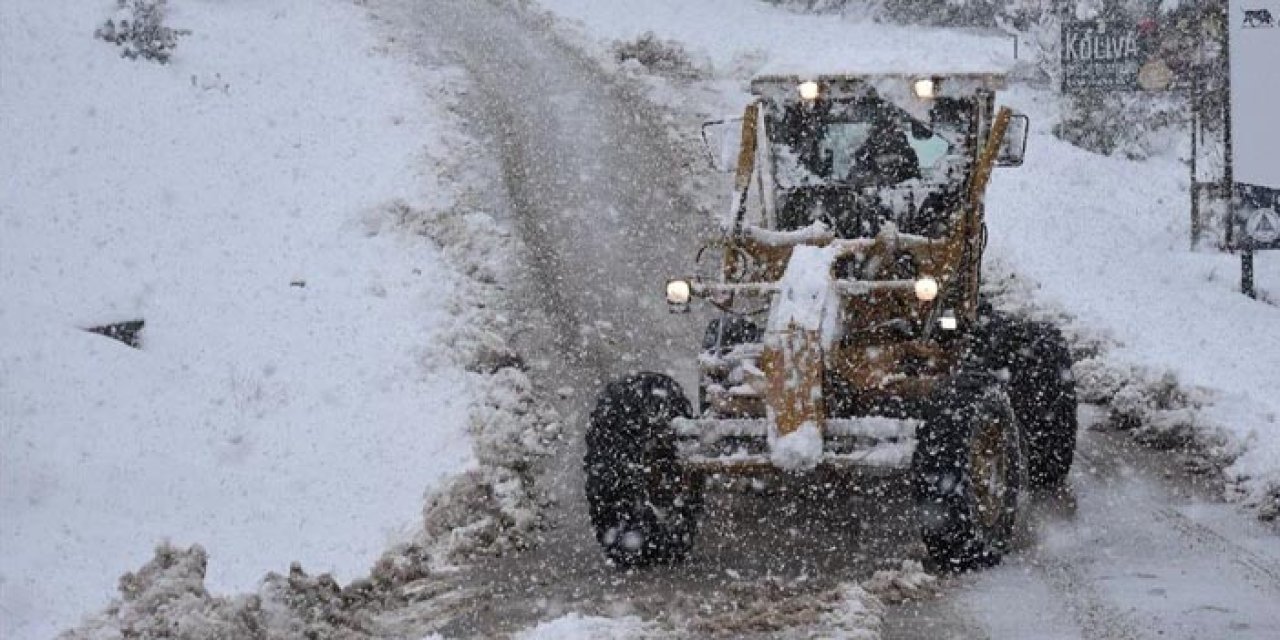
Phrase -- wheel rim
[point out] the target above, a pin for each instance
(989, 465)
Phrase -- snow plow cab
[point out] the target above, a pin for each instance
(851, 331)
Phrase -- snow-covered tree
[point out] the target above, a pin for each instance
(138, 27)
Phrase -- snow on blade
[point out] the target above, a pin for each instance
(798, 451)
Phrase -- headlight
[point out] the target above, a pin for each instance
(926, 289)
(924, 88)
(678, 292)
(809, 90)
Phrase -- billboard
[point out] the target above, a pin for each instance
(1254, 31)
(1100, 54)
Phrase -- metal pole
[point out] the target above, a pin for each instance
(1228, 176)
(1246, 255)
(1194, 188)
(1246, 274)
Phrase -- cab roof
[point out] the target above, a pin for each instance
(947, 83)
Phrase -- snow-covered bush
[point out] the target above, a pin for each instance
(663, 57)
(1162, 413)
(1098, 381)
(138, 26)
(865, 7)
(1136, 126)
(1136, 404)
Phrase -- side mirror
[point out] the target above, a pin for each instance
(722, 139)
(1014, 146)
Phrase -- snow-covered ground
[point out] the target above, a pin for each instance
(295, 393)
(1106, 240)
(1102, 240)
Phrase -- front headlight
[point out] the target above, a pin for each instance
(678, 292)
(809, 90)
(926, 289)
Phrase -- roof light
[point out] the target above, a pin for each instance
(925, 88)
(809, 90)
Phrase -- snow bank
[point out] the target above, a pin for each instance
(298, 385)
(1105, 241)
(167, 598)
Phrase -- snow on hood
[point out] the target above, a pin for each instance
(807, 297)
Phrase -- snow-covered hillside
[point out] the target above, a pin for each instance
(293, 396)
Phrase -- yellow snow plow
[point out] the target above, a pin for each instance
(852, 332)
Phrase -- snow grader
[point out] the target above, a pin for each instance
(851, 328)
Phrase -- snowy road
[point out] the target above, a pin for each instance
(1140, 550)
(593, 186)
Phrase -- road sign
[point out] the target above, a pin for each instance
(1257, 217)
(1263, 226)
(1100, 54)
(1254, 30)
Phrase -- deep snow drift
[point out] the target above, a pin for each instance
(297, 389)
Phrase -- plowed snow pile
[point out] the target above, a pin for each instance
(311, 362)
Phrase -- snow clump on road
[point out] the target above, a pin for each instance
(909, 582)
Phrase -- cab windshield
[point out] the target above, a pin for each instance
(863, 141)
(855, 164)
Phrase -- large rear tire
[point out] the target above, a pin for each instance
(1043, 392)
(1037, 363)
(968, 475)
(643, 503)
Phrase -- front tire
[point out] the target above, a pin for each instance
(643, 503)
(968, 475)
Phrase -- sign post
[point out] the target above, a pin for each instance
(1253, 130)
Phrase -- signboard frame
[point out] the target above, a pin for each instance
(1101, 55)
(1253, 131)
